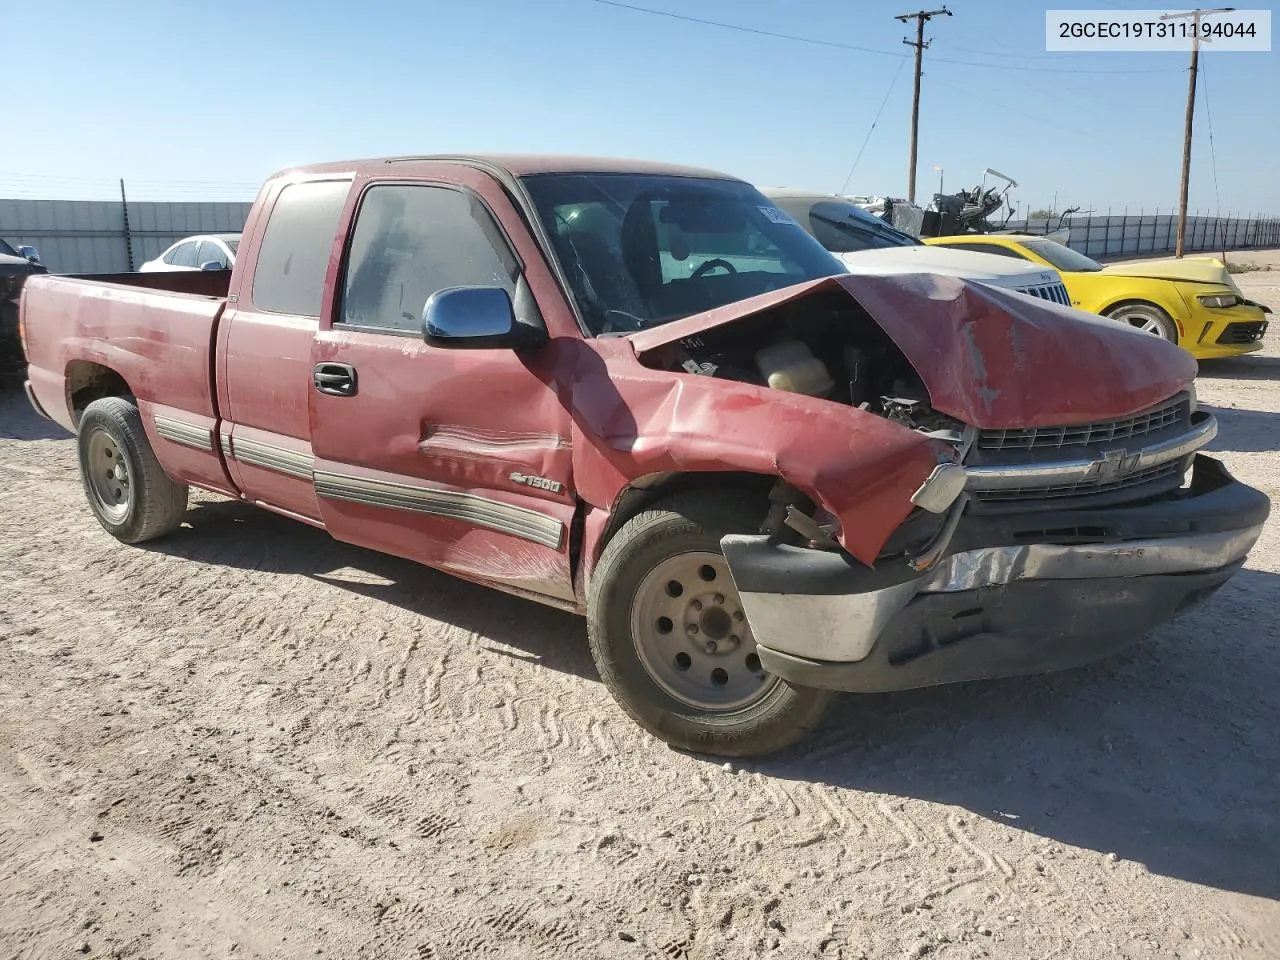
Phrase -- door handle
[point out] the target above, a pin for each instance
(335, 379)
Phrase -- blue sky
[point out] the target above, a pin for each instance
(203, 100)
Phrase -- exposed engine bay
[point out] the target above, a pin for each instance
(821, 346)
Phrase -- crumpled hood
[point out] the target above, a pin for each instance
(947, 262)
(988, 357)
(1195, 269)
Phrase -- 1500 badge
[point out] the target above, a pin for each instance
(541, 483)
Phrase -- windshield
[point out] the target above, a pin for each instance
(1064, 258)
(8, 250)
(640, 251)
(847, 228)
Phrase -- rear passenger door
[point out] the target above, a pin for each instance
(457, 458)
(265, 341)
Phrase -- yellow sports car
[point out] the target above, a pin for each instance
(1193, 301)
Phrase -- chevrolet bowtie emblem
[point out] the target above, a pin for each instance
(1113, 464)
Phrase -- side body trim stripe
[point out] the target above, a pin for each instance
(503, 517)
(255, 453)
(187, 434)
(506, 518)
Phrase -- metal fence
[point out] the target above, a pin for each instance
(90, 236)
(1133, 235)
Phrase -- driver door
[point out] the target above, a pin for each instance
(456, 458)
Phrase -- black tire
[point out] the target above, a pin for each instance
(690, 523)
(1146, 316)
(139, 502)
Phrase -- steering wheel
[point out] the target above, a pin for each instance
(711, 265)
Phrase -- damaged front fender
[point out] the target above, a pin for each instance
(630, 422)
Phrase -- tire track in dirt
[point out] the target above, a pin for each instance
(472, 791)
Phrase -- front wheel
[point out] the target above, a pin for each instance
(1146, 317)
(672, 642)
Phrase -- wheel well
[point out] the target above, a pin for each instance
(1132, 302)
(645, 491)
(88, 381)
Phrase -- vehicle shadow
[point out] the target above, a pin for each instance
(18, 421)
(1165, 755)
(1250, 367)
(236, 534)
(1245, 431)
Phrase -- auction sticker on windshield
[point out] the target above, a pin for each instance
(1155, 30)
(776, 216)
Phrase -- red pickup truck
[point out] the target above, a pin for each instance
(645, 394)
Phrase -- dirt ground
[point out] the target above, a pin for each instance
(251, 741)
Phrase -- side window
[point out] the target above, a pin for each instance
(410, 241)
(183, 255)
(289, 275)
(995, 248)
(210, 251)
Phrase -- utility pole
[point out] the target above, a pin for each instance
(921, 17)
(1195, 16)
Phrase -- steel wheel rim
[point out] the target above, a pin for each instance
(110, 476)
(692, 636)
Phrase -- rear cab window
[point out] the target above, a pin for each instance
(294, 255)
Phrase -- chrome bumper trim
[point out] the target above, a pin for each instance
(845, 627)
(996, 566)
(1109, 466)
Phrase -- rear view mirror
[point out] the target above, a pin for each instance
(702, 215)
(474, 317)
(31, 253)
(212, 265)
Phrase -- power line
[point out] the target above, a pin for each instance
(848, 46)
(742, 29)
(867, 138)
(1003, 104)
(1213, 155)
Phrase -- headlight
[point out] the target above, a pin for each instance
(1220, 300)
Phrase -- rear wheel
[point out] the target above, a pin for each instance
(672, 642)
(1146, 317)
(128, 491)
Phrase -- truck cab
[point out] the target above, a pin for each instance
(645, 394)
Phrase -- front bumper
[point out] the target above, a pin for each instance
(1226, 332)
(1019, 594)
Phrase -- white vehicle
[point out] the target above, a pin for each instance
(866, 244)
(215, 251)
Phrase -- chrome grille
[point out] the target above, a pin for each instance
(1054, 292)
(1173, 412)
(1164, 471)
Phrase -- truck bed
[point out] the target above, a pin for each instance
(154, 330)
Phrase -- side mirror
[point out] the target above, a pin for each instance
(212, 265)
(476, 317)
(31, 253)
